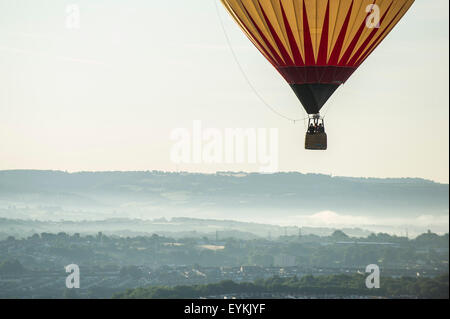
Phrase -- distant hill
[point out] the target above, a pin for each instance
(175, 228)
(222, 192)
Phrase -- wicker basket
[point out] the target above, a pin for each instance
(317, 141)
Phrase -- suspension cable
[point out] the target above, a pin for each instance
(245, 75)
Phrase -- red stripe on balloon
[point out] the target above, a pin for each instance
(259, 46)
(374, 45)
(292, 42)
(280, 45)
(309, 52)
(367, 41)
(340, 41)
(354, 41)
(277, 58)
(323, 48)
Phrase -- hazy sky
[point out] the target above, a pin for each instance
(108, 95)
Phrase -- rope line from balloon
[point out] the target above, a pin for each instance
(245, 75)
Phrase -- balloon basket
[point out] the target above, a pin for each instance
(316, 141)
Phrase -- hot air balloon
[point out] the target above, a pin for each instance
(316, 45)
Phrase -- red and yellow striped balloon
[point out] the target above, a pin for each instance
(316, 45)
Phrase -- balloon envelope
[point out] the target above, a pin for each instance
(316, 45)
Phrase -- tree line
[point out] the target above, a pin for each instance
(332, 286)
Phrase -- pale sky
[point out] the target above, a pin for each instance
(108, 95)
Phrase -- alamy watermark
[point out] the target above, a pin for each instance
(199, 145)
(373, 280)
(373, 20)
(73, 17)
(73, 280)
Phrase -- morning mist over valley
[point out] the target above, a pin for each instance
(395, 206)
